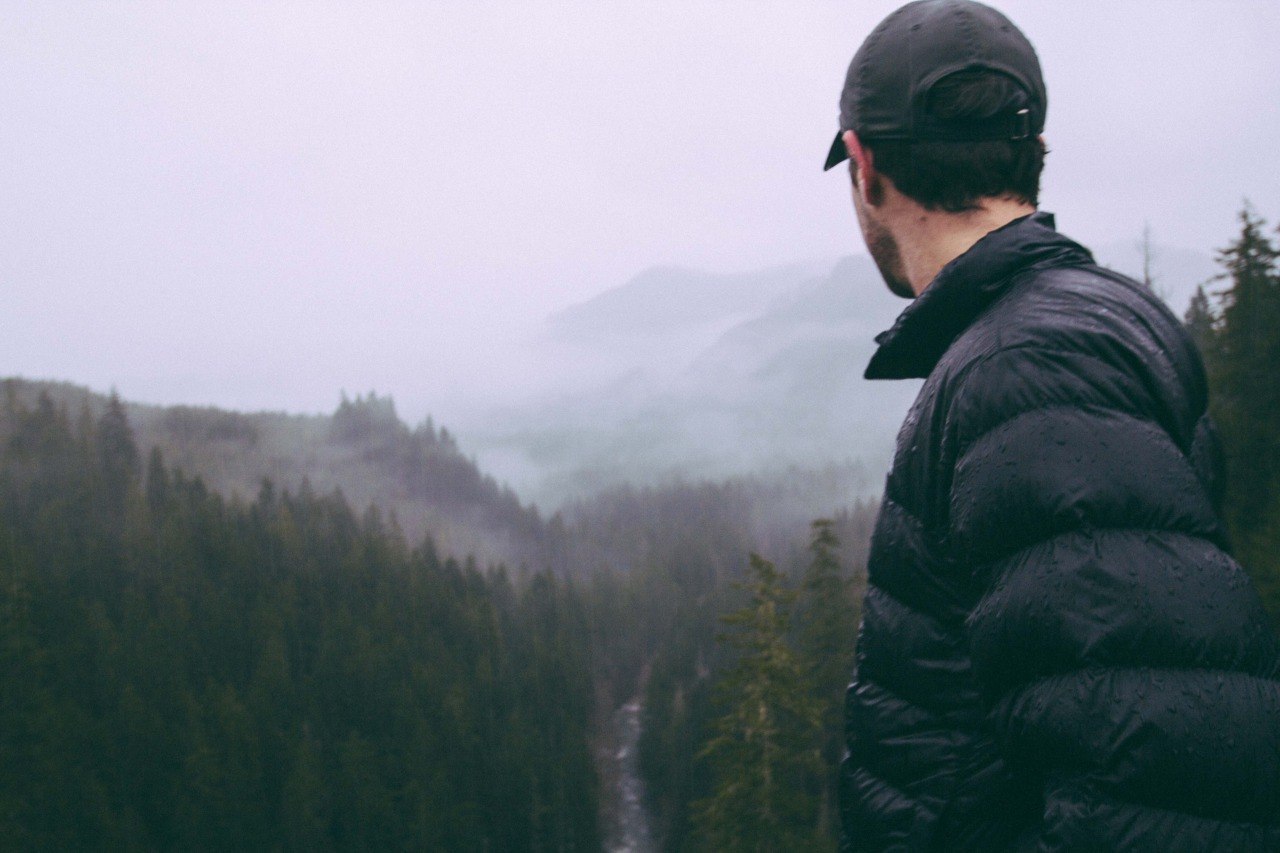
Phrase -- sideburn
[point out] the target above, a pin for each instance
(875, 191)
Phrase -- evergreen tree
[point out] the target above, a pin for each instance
(117, 452)
(1248, 397)
(764, 754)
(827, 624)
(156, 482)
(1201, 321)
(1241, 345)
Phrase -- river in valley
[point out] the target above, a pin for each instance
(626, 822)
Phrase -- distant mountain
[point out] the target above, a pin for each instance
(683, 375)
(650, 323)
(644, 307)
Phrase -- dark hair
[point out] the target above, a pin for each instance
(955, 176)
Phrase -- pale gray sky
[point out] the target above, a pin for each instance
(257, 204)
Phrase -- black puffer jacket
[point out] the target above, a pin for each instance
(1056, 649)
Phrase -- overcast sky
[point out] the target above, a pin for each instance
(256, 205)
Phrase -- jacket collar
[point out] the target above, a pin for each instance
(963, 288)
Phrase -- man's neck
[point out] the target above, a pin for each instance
(929, 239)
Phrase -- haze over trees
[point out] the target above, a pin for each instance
(187, 669)
(266, 631)
(180, 671)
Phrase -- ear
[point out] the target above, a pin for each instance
(861, 158)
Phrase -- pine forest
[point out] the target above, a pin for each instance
(207, 643)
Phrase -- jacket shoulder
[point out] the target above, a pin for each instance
(1076, 336)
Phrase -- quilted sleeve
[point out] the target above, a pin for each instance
(1127, 661)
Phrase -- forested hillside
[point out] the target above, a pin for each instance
(180, 671)
(187, 669)
(418, 474)
(228, 631)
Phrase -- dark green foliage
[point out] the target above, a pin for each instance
(236, 637)
(679, 549)
(778, 683)
(1200, 323)
(677, 722)
(1240, 340)
(117, 453)
(765, 751)
(826, 626)
(182, 672)
(685, 548)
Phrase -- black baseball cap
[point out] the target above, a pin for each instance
(887, 88)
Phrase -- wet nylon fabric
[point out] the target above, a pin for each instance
(1057, 651)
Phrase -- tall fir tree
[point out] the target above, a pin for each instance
(826, 626)
(1240, 341)
(117, 452)
(1201, 323)
(765, 752)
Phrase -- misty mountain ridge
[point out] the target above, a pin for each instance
(680, 373)
(363, 450)
(642, 307)
(420, 477)
(677, 376)
(640, 328)
(759, 373)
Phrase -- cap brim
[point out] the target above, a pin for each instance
(838, 153)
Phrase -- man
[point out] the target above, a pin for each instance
(1057, 652)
